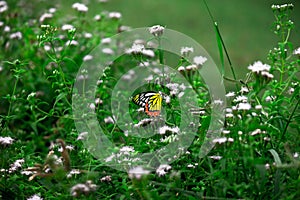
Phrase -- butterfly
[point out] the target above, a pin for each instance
(150, 101)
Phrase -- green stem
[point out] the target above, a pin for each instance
(289, 121)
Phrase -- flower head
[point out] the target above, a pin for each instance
(137, 173)
(157, 30)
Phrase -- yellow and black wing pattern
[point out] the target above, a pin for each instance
(150, 101)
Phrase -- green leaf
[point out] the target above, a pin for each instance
(276, 157)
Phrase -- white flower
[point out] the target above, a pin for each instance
(105, 179)
(97, 17)
(3, 6)
(185, 51)
(109, 120)
(181, 68)
(17, 35)
(220, 140)
(82, 136)
(164, 129)
(16, 165)
(191, 67)
(52, 10)
(126, 150)
(108, 51)
(157, 30)
(6, 29)
(73, 42)
(80, 7)
(105, 40)
(6, 140)
(267, 166)
(218, 102)
(243, 106)
(1, 23)
(258, 67)
(45, 16)
(87, 57)
(230, 94)
(162, 169)
(67, 27)
(216, 157)
(114, 15)
(190, 166)
(88, 35)
(297, 51)
(135, 49)
(80, 188)
(258, 107)
(199, 60)
(72, 172)
(137, 173)
(35, 197)
(256, 131)
(240, 99)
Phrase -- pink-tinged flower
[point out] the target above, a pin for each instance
(6, 141)
(137, 173)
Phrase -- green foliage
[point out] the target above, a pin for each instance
(257, 156)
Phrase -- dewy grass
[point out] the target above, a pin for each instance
(42, 155)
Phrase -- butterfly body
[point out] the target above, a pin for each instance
(150, 101)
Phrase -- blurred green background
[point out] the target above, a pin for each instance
(245, 25)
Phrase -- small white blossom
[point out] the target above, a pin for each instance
(156, 30)
(3, 6)
(220, 140)
(66, 27)
(109, 120)
(181, 68)
(16, 35)
(5, 141)
(105, 179)
(45, 16)
(216, 157)
(105, 40)
(108, 51)
(230, 94)
(126, 150)
(162, 169)
(199, 60)
(82, 136)
(114, 15)
(244, 106)
(256, 131)
(16, 165)
(88, 35)
(87, 57)
(185, 51)
(6, 29)
(164, 129)
(80, 7)
(80, 188)
(97, 17)
(52, 10)
(297, 51)
(35, 197)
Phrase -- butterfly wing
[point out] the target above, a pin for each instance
(151, 101)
